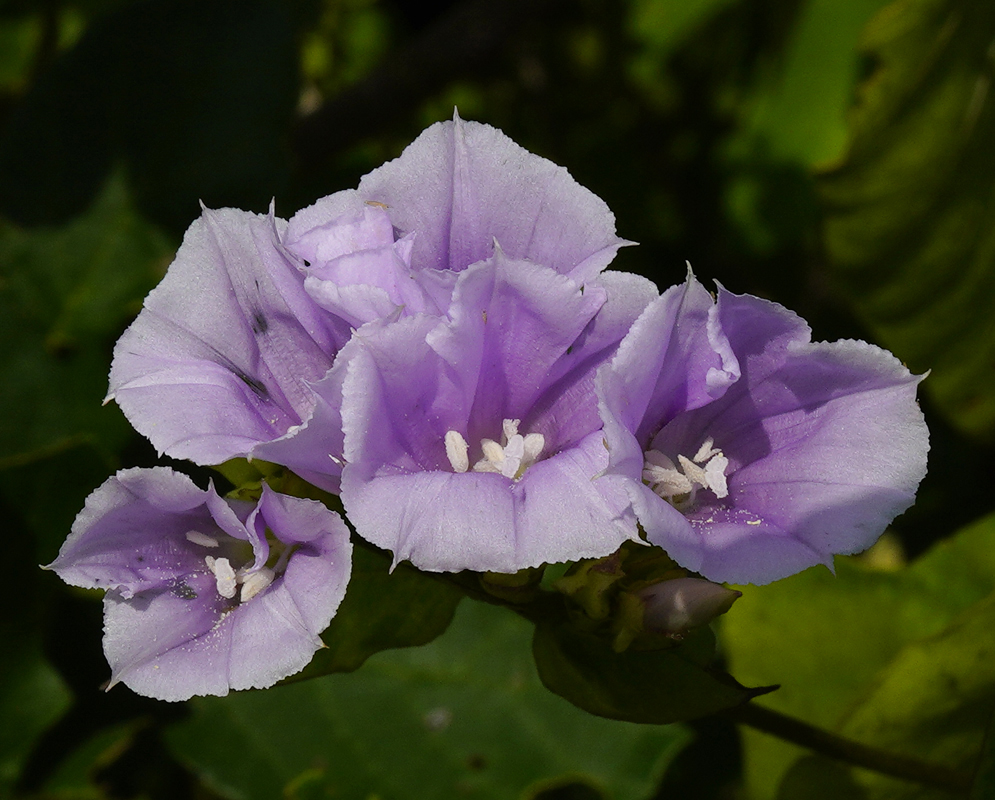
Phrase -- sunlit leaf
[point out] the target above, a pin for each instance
(463, 717)
(910, 218)
(933, 702)
(825, 638)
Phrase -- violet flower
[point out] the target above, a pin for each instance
(749, 452)
(222, 355)
(438, 208)
(205, 595)
(221, 361)
(472, 442)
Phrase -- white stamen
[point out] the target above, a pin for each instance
(678, 483)
(516, 455)
(196, 537)
(255, 583)
(706, 451)
(224, 575)
(695, 473)
(715, 475)
(534, 443)
(493, 452)
(456, 451)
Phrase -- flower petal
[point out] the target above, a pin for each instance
(462, 185)
(221, 355)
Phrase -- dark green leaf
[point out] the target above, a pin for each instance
(66, 293)
(650, 686)
(32, 697)
(382, 610)
(463, 717)
(910, 225)
(983, 787)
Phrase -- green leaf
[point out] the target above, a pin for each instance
(824, 638)
(933, 702)
(65, 295)
(382, 610)
(463, 717)
(32, 697)
(798, 109)
(910, 220)
(983, 787)
(73, 779)
(649, 686)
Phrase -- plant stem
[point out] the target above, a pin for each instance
(861, 755)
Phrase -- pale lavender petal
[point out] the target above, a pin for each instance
(820, 446)
(221, 356)
(176, 624)
(413, 383)
(131, 532)
(512, 322)
(565, 412)
(315, 449)
(442, 521)
(167, 645)
(462, 185)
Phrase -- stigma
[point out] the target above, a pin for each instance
(679, 483)
(511, 457)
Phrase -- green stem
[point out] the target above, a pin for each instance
(861, 755)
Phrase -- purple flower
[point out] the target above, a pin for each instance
(222, 355)
(472, 442)
(749, 452)
(205, 595)
(455, 191)
(253, 312)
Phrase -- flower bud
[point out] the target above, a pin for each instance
(673, 607)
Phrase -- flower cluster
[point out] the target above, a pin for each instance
(444, 348)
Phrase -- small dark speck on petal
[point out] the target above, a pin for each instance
(253, 384)
(259, 323)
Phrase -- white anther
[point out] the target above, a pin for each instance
(516, 455)
(679, 482)
(224, 575)
(196, 537)
(534, 443)
(255, 583)
(715, 472)
(663, 476)
(456, 451)
(695, 473)
(706, 451)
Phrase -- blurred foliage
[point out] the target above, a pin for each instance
(830, 155)
(446, 720)
(910, 226)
